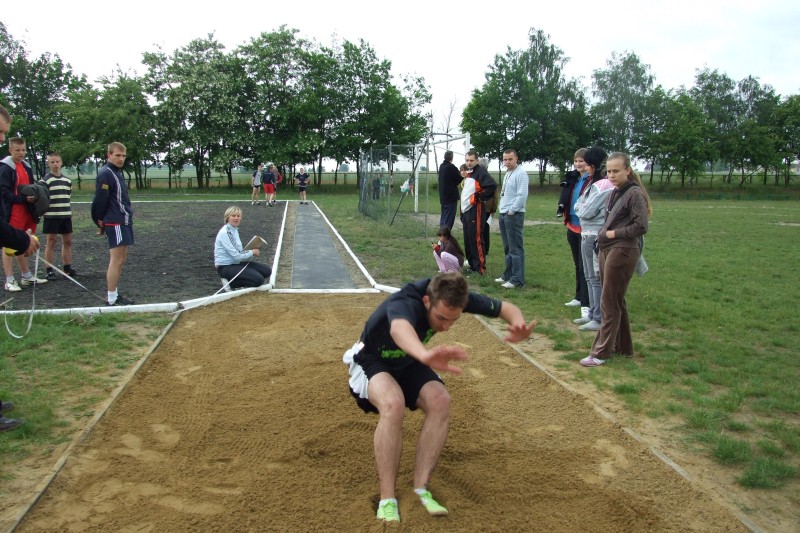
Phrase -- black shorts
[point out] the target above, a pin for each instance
(302, 188)
(119, 235)
(411, 379)
(60, 225)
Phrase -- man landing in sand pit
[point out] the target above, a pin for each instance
(390, 367)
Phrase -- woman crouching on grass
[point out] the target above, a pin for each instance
(620, 242)
(233, 262)
(447, 252)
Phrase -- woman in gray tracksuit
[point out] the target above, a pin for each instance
(591, 210)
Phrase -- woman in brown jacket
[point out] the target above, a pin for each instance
(620, 242)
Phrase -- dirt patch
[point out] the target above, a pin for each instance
(290, 451)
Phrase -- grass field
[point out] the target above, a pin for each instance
(712, 322)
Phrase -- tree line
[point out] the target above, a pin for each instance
(288, 100)
(527, 103)
(277, 98)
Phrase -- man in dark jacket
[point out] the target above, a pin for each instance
(476, 220)
(112, 212)
(449, 178)
(20, 241)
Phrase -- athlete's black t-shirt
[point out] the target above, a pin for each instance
(407, 304)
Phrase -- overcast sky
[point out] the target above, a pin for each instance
(450, 44)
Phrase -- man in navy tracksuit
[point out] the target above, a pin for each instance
(112, 212)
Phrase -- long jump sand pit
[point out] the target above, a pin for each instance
(241, 420)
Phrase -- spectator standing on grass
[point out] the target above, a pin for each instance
(447, 252)
(268, 180)
(113, 214)
(391, 369)
(278, 181)
(232, 261)
(591, 209)
(301, 179)
(572, 192)
(476, 219)
(449, 178)
(24, 244)
(14, 173)
(255, 196)
(513, 196)
(58, 218)
(620, 243)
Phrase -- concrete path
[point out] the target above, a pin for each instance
(315, 261)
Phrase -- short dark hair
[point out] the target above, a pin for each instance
(450, 288)
(473, 153)
(448, 155)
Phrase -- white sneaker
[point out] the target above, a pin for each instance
(33, 280)
(592, 361)
(584, 312)
(582, 320)
(593, 325)
(500, 280)
(573, 303)
(11, 286)
(508, 285)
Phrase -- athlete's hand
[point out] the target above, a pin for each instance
(439, 358)
(32, 246)
(519, 331)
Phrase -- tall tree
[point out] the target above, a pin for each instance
(35, 90)
(198, 90)
(527, 104)
(788, 134)
(621, 91)
(377, 112)
(682, 141)
(755, 145)
(274, 69)
(715, 92)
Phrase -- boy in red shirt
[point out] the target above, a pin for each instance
(15, 172)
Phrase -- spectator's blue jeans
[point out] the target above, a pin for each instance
(511, 231)
(591, 270)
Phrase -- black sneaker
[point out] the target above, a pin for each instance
(71, 271)
(51, 275)
(9, 423)
(121, 300)
(6, 407)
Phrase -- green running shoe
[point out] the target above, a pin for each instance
(431, 505)
(388, 512)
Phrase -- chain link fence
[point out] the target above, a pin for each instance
(396, 189)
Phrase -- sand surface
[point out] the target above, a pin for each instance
(241, 420)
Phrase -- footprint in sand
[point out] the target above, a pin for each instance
(183, 375)
(173, 502)
(167, 436)
(508, 361)
(476, 373)
(133, 448)
(615, 458)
